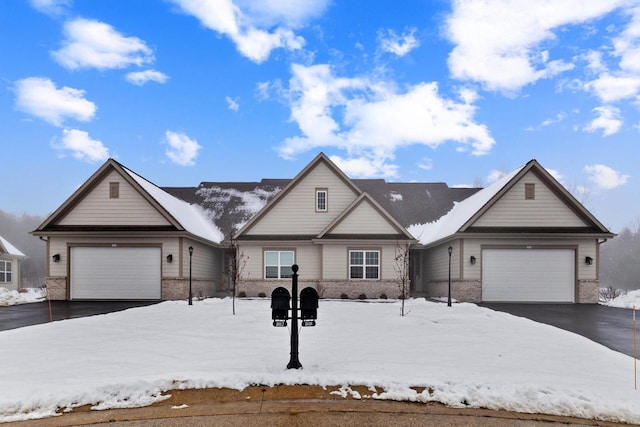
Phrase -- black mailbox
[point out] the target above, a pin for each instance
(308, 306)
(280, 298)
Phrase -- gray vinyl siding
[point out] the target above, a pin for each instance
(335, 260)
(97, 208)
(307, 256)
(206, 261)
(546, 210)
(362, 220)
(435, 262)
(584, 248)
(296, 212)
(14, 284)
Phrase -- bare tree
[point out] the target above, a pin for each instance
(235, 267)
(401, 267)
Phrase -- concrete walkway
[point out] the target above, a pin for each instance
(296, 406)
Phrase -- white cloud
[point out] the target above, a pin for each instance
(495, 175)
(182, 149)
(605, 177)
(40, 97)
(81, 146)
(557, 175)
(426, 164)
(139, 78)
(611, 88)
(94, 44)
(363, 167)
(232, 103)
(399, 45)
(499, 43)
(608, 120)
(246, 22)
(50, 7)
(365, 116)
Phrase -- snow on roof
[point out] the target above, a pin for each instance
(191, 216)
(9, 248)
(461, 212)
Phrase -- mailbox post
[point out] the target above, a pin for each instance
(280, 299)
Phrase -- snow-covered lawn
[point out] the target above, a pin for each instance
(629, 300)
(462, 355)
(8, 297)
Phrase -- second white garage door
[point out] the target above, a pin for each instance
(111, 273)
(528, 275)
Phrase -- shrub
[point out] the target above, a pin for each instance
(607, 294)
(362, 296)
(383, 296)
(344, 296)
(262, 295)
(242, 294)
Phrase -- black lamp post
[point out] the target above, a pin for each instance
(449, 294)
(190, 257)
(294, 362)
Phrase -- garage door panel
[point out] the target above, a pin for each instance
(528, 275)
(115, 273)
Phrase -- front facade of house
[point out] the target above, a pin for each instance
(10, 258)
(522, 239)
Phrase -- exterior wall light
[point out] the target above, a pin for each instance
(56, 258)
(472, 260)
(170, 258)
(588, 260)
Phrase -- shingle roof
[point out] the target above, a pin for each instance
(8, 248)
(231, 204)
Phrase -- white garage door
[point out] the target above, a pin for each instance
(130, 273)
(528, 275)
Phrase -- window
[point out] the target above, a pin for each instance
(5, 272)
(364, 265)
(114, 190)
(321, 200)
(277, 264)
(529, 191)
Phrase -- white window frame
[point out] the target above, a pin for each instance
(364, 265)
(326, 199)
(279, 264)
(6, 274)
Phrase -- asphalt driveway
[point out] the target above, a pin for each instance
(18, 316)
(611, 327)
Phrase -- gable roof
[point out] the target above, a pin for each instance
(181, 215)
(463, 215)
(365, 198)
(9, 249)
(320, 158)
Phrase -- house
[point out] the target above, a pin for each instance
(522, 239)
(10, 258)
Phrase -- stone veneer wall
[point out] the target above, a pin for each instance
(56, 288)
(177, 289)
(588, 291)
(326, 288)
(461, 290)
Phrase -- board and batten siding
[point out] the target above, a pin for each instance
(545, 210)
(97, 208)
(295, 213)
(584, 248)
(307, 256)
(364, 219)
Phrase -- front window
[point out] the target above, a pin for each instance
(277, 264)
(364, 265)
(5, 271)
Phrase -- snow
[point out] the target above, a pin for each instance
(9, 248)
(11, 297)
(462, 355)
(191, 217)
(461, 212)
(630, 299)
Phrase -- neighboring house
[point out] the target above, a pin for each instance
(522, 239)
(10, 258)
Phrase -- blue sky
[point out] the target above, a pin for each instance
(184, 91)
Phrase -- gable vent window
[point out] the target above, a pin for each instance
(529, 191)
(321, 200)
(114, 190)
